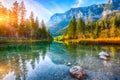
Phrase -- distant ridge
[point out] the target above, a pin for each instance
(60, 20)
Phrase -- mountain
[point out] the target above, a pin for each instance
(59, 21)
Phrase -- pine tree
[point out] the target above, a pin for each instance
(80, 28)
(71, 30)
(15, 12)
(27, 29)
(31, 18)
(96, 31)
(22, 14)
(49, 35)
(22, 28)
(15, 19)
(113, 28)
(3, 13)
(43, 32)
(35, 27)
(38, 33)
(13, 23)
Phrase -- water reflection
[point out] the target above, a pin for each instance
(15, 58)
(87, 57)
(49, 61)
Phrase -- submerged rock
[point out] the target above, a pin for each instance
(68, 64)
(77, 72)
(104, 55)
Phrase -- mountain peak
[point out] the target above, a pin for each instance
(114, 1)
(59, 21)
(110, 1)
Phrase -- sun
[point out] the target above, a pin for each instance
(1, 19)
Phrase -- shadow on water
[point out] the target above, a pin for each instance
(52, 61)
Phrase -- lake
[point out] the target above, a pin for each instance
(52, 61)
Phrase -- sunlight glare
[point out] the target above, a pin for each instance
(1, 19)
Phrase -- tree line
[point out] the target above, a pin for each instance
(104, 28)
(14, 24)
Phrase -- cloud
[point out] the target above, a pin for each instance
(38, 9)
(31, 5)
(78, 3)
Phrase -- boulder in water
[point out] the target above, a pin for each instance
(77, 72)
(104, 55)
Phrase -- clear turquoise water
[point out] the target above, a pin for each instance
(52, 61)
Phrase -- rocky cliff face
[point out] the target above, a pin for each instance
(115, 4)
(59, 21)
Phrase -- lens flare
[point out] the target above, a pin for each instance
(1, 19)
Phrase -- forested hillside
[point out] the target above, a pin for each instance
(106, 27)
(15, 25)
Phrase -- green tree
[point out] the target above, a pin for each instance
(22, 27)
(31, 18)
(15, 19)
(80, 28)
(22, 14)
(38, 33)
(15, 12)
(49, 35)
(3, 22)
(27, 29)
(71, 30)
(113, 28)
(44, 31)
(14, 24)
(2, 31)
(35, 27)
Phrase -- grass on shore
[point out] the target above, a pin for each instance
(95, 41)
(84, 41)
(20, 41)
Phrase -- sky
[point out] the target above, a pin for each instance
(44, 9)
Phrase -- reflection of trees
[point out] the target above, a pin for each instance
(76, 50)
(113, 49)
(86, 56)
(16, 56)
(58, 53)
(79, 51)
